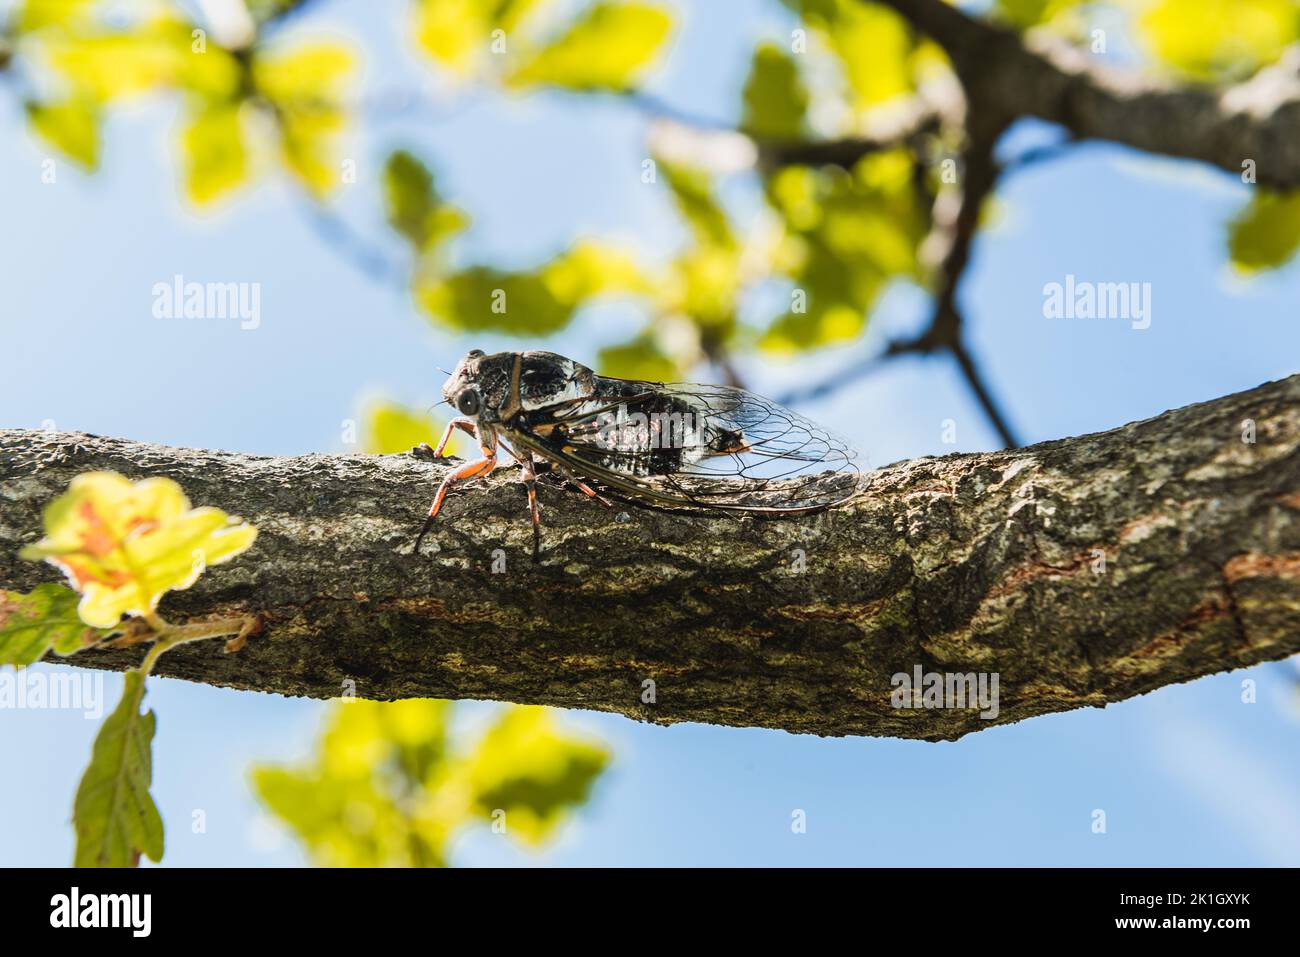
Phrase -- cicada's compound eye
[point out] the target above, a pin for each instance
(469, 402)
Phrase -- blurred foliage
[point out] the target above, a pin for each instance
(389, 428)
(93, 54)
(1266, 234)
(834, 241)
(124, 544)
(607, 47)
(389, 786)
(876, 54)
(776, 100)
(115, 816)
(44, 619)
(847, 236)
(1219, 40)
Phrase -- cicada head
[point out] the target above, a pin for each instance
(479, 384)
(493, 388)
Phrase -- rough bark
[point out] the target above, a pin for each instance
(1041, 76)
(965, 563)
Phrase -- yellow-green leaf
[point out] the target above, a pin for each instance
(46, 618)
(639, 359)
(307, 86)
(124, 544)
(1023, 14)
(37, 14)
(693, 195)
(775, 97)
(590, 269)
(457, 33)
(70, 126)
(706, 285)
(114, 815)
(484, 298)
(528, 768)
(390, 428)
(607, 48)
(1266, 233)
(413, 205)
(847, 235)
(876, 50)
(305, 76)
(388, 785)
(216, 160)
(307, 147)
(149, 55)
(1219, 39)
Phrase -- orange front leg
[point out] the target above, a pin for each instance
(462, 423)
(470, 470)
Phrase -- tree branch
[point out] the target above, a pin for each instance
(966, 563)
(1042, 76)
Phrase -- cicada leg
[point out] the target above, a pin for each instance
(424, 450)
(479, 468)
(530, 482)
(529, 466)
(569, 479)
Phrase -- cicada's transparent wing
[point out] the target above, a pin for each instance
(687, 445)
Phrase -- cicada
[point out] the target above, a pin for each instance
(663, 444)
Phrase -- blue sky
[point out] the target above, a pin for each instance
(1187, 775)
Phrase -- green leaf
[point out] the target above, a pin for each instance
(307, 85)
(115, 817)
(152, 52)
(607, 48)
(124, 544)
(413, 206)
(44, 619)
(482, 298)
(1219, 40)
(387, 786)
(37, 14)
(456, 33)
(1266, 234)
(875, 48)
(526, 767)
(638, 359)
(847, 236)
(589, 269)
(1023, 14)
(706, 287)
(390, 428)
(693, 196)
(775, 97)
(528, 302)
(71, 127)
(216, 161)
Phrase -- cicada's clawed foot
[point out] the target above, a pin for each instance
(423, 451)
